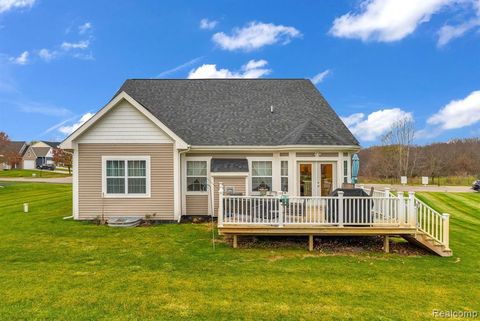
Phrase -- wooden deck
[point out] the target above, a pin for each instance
(314, 230)
(382, 214)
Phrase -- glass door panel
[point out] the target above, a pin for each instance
(326, 186)
(306, 177)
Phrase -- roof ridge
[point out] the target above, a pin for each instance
(296, 133)
(219, 79)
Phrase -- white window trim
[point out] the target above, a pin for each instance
(126, 158)
(250, 172)
(196, 159)
(285, 159)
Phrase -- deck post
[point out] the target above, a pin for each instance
(386, 244)
(220, 205)
(280, 212)
(386, 209)
(401, 209)
(235, 241)
(340, 208)
(446, 231)
(310, 242)
(412, 217)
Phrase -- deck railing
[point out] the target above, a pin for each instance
(432, 223)
(381, 209)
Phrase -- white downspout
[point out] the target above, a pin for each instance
(181, 179)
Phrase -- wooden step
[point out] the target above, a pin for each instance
(428, 243)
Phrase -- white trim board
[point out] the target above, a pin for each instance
(126, 194)
(229, 174)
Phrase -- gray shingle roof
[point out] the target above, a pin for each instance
(237, 112)
(12, 146)
(52, 144)
(41, 151)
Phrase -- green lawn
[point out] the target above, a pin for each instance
(28, 173)
(62, 269)
(441, 181)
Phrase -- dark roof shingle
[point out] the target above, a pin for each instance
(237, 112)
(13, 146)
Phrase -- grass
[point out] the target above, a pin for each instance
(27, 173)
(439, 181)
(58, 269)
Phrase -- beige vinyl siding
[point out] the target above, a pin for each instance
(124, 124)
(196, 205)
(237, 182)
(29, 154)
(90, 199)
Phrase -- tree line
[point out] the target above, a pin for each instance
(399, 156)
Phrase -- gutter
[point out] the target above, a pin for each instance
(277, 148)
(181, 180)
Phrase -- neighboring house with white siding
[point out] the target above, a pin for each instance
(39, 153)
(161, 147)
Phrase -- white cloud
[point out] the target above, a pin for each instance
(20, 60)
(83, 44)
(375, 124)
(448, 32)
(46, 54)
(67, 130)
(353, 119)
(6, 5)
(458, 113)
(255, 35)
(318, 78)
(252, 69)
(386, 20)
(84, 56)
(82, 29)
(208, 24)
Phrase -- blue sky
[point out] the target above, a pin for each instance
(374, 61)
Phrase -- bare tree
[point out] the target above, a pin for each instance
(400, 138)
(457, 157)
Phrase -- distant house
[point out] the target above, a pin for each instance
(39, 153)
(14, 149)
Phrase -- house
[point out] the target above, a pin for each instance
(39, 153)
(264, 155)
(178, 136)
(11, 154)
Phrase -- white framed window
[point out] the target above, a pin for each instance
(126, 176)
(197, 174)
(284, 176)
(345, 171)
(261, 175)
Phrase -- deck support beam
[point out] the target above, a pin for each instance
(310, 242)
(235, 241)
(386, 244)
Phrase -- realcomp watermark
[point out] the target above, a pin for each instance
(455, 314)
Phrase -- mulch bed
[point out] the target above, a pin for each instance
(332, 245)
